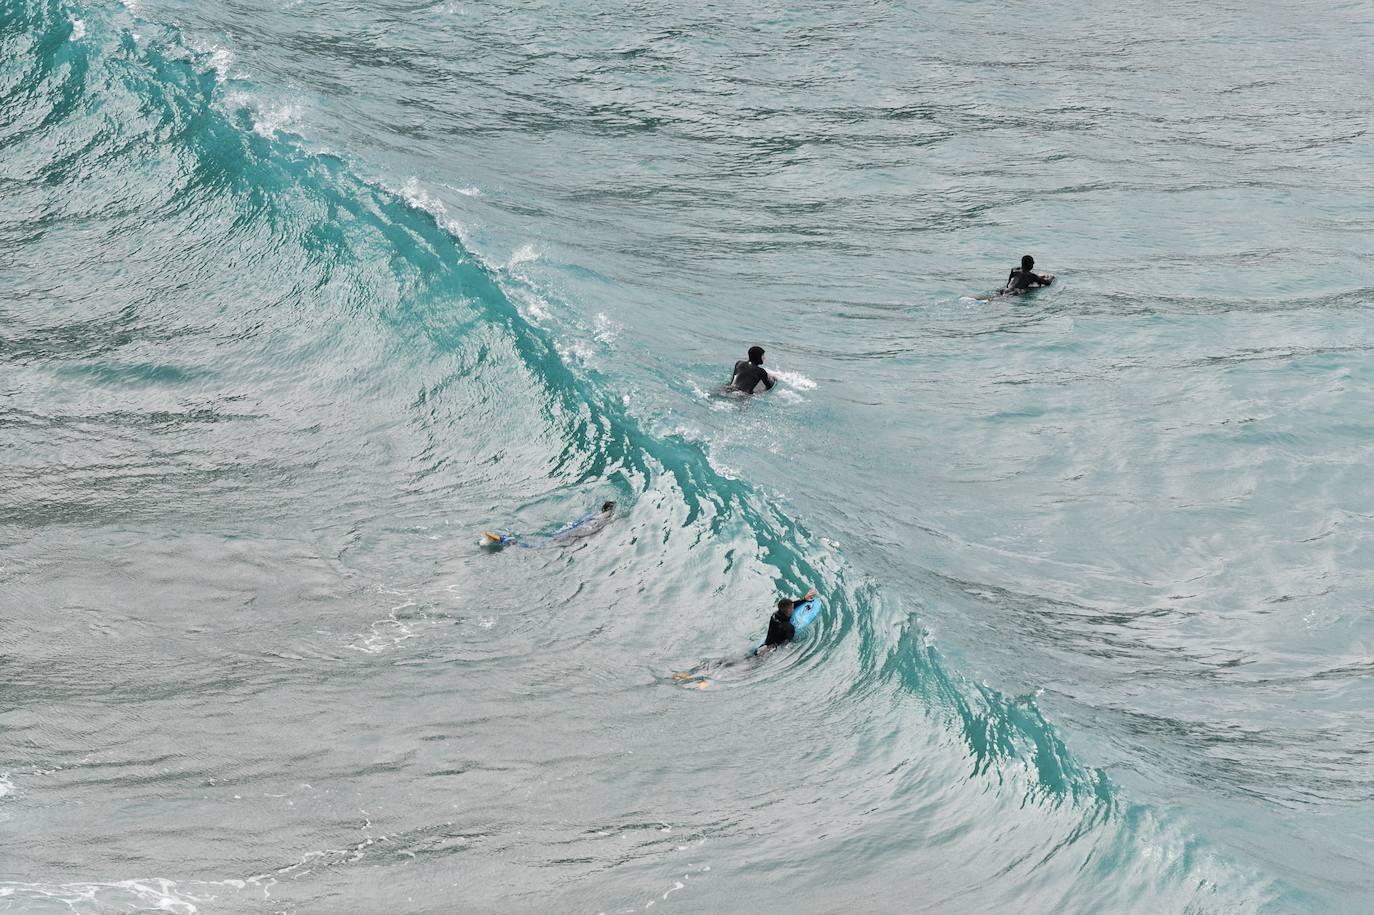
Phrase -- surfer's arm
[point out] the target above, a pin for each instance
(1045, 278)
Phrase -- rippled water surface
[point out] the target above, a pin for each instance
(297, 300)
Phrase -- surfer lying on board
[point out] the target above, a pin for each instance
(585, 527)
(1024, 280)
(793, 615)
(749, 374)
(574, 530)
(780, 629)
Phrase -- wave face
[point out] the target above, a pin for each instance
(296, 302)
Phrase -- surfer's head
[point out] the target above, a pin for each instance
(785, 607)
(756, 355)
(608, 506)
(1027, 262)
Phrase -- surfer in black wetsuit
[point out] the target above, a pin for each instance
(750, 374)
(586, 528)
(1024, 280)
(582, 527)
(780, 630)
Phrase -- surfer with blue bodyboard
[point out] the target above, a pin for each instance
(585, 526)
(789, 621)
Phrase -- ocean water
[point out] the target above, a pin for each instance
(298, 299)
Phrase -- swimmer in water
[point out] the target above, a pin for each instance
(780, 632)
(780, 629)
(1024, 280)
(749, 375)
(575, 530)
(585, 528)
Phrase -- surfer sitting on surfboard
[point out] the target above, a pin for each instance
(1024, 280)
(780, 628)
(749, 375)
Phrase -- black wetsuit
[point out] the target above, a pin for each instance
(780, 628)
(747, 377)
(591, 526)
(1021, 280)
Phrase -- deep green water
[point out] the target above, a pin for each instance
(297, 300)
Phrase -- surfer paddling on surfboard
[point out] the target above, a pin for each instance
(780, 627)
(787, 622)
(749, 376)
(1024, 280)
(585, 526)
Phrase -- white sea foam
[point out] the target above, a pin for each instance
(415, 194)
(267, 120)
(387, 633)
(325, 858)
(123, 895)
(222, 59)
(470, 191)
(794, 379)
(6, 786)
(219, 59)
(605, 329)
(522, 255)
(270, 120)
(384, 635)
(532, 306)
(578, 349)
(236, 99)
(78, 28)
(715, 403)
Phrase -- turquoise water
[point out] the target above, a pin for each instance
(296, 301)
